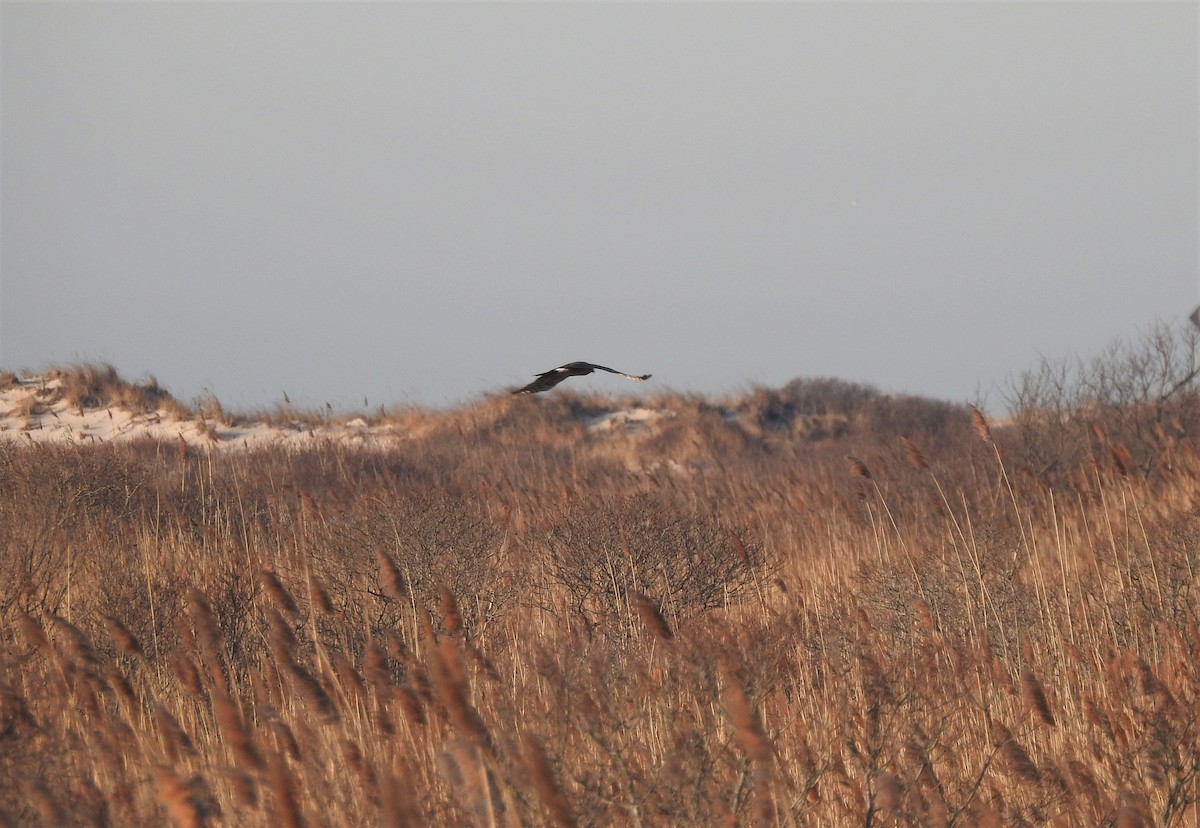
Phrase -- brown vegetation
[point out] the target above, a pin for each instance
(100, 386)
(513, 619)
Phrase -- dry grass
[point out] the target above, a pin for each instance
(88, 386)
(515, 620)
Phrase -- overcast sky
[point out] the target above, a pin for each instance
(422, 203)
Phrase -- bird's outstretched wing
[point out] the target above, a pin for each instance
(638, 377)
(544, 382)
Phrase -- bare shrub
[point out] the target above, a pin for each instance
(892, 416)
(827, 395)
(437, 540)
(1140, 396)
(52, 496)
(604, 553)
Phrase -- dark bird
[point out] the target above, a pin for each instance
(549, 379)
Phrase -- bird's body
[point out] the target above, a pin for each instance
(548, 379)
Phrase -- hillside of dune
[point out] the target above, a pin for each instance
(90, 405)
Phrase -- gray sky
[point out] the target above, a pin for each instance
(421, 203)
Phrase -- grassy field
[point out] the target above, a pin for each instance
(816, 605)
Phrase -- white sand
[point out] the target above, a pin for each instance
(27, 416)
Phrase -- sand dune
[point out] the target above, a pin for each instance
(33, 409)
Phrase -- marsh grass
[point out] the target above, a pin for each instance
(89, 386)
(514, 619)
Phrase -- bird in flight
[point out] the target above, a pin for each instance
(549, 379)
